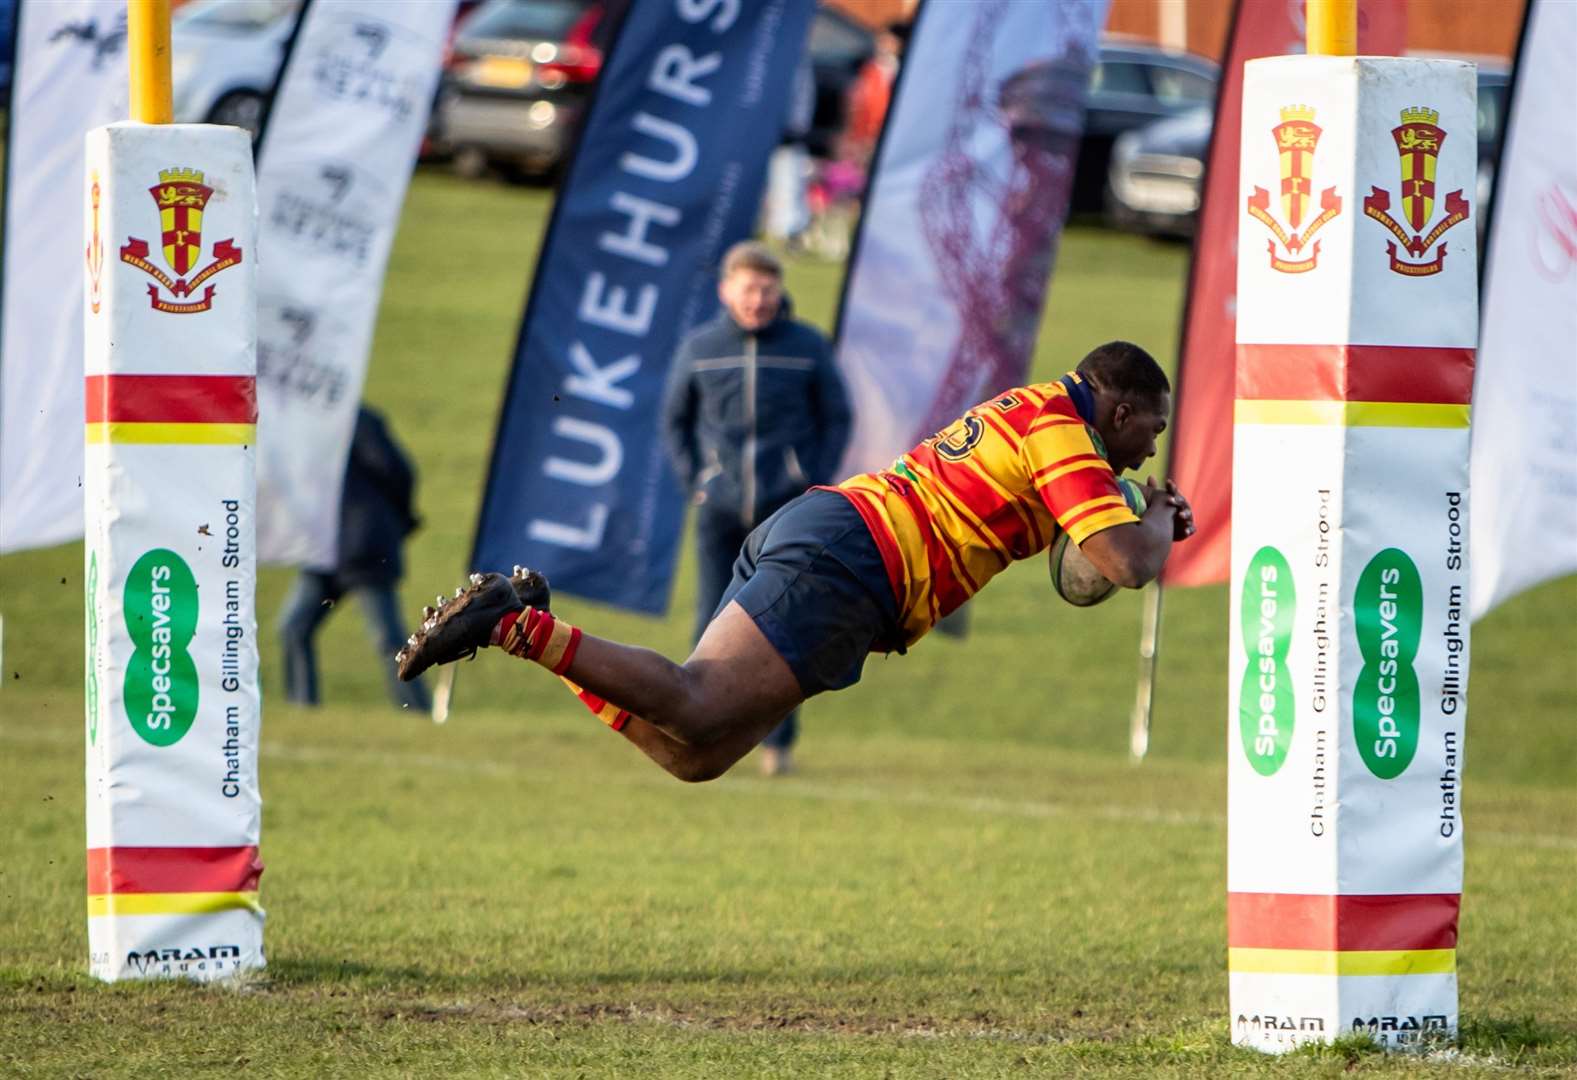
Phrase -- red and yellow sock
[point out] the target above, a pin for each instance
(536, 635)
(605, 711)
(540, 637)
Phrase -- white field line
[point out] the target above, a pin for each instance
(794, 788)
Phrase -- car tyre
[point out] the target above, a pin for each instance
(470, 162)
(239, 108)
(533, 172)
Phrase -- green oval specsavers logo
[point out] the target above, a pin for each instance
(1388, 613)
(161, 677)
(1265, 705)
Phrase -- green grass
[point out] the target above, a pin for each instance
(966, 879)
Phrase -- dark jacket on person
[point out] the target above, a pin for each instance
(752, 419)
(376, 508)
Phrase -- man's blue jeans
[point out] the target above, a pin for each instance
(313, 597)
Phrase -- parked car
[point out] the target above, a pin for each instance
(516, 83)
(492, 111)
(1156, 177)
(1132, 85)
(1157, 172)
(1494, 94)
(225, 58)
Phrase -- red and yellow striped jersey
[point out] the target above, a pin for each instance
(992, 487)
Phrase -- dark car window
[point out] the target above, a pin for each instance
(1175, 86)
(833, 41)
(1118, 77)
(548, 19)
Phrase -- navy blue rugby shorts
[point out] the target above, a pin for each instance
(812, 578)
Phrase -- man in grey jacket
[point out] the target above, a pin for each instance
(754, 413)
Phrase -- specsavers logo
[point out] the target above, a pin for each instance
(161, 618)
(1265, 703)
(1388, 613)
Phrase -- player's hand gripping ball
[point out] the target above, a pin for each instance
(1072, 574)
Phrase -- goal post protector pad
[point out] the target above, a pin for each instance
(1356, 327)
(170, 307)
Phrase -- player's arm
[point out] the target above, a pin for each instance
(1133, 554)
(1075, 482)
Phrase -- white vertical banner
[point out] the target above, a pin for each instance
(965, 204)
(1524, 458)
(70, 77)
(333, 166)
(172, 704)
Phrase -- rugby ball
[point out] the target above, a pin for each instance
(1072, 575)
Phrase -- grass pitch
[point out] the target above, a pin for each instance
(966, 878)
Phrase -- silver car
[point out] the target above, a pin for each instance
(225, 59)
(1156, 179)
(517, 82)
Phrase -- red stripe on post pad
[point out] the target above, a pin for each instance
(172, 869)
(171, 399)
(1423, 375)
(1349, 923)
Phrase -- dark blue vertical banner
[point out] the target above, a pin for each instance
(668, 173)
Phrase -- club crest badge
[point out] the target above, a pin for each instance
(1418, 142)
(181, 197)
(1296, 138)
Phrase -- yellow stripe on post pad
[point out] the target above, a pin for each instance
(173, 434)
(1395, 414)
(1327, 962)
(183, 903)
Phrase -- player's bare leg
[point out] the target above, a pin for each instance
(695, 764)
(694, 719)
(698, 718)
